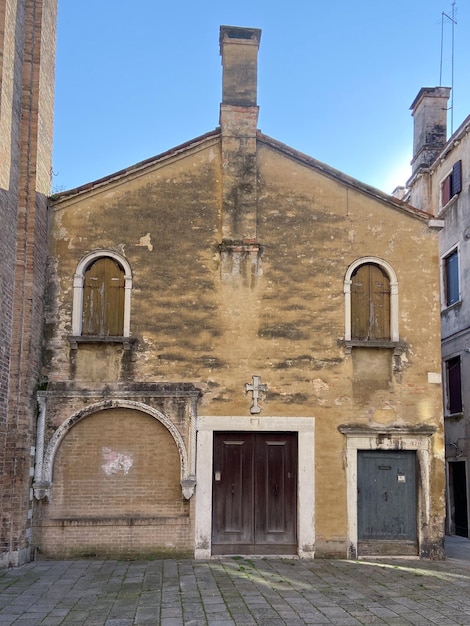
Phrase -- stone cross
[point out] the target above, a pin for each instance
(256, 387)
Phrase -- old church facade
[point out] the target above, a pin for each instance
(240, 357)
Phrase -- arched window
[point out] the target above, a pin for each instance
(101, 296)
(371, 301)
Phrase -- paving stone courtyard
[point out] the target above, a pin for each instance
(239, 591)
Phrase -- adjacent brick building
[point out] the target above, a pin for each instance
(27, 54)
(240, 355)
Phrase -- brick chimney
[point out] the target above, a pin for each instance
(429, 110)
(238, 122)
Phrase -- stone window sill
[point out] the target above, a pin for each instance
(398, 347)
(449, 307)
(453, 416)
(127, 342)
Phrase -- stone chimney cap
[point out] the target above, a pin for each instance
(250, 35)
(431, 92)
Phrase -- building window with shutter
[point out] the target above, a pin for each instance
(101, 296)
(371, 302)
(450, 278)
(452, 184)
(453, 386)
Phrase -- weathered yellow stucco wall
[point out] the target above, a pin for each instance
(281, 319)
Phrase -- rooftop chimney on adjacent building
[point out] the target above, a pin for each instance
(238, 122)
(429, 110)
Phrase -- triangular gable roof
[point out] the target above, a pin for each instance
(349, 181)
(137, 167)
(287, 151)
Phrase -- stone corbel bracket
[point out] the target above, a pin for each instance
(188, 485)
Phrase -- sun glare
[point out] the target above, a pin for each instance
(397, 175)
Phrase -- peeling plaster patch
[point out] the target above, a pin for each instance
(319, 385)
(146, 242)
(115, 462)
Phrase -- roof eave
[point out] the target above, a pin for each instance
(136, 168)
(349, 181)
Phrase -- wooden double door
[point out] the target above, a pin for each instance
(254, 495)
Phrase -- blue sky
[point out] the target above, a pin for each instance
(335, 79)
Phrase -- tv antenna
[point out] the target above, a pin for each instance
(449, 18)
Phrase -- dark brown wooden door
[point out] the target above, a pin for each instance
(254, 502)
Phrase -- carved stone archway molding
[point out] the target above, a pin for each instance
(45, 459)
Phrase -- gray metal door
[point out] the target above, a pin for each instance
(386, 502)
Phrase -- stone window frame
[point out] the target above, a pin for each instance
(78, 280)
(446, 300)
(394, 326)
(453, 386)
(451, 185)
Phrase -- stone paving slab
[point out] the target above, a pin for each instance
(236, 591)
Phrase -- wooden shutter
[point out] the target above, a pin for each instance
(379, 311)
(456, 178)
(452, 185)
(114, 299)
(454, 386)
(103, 299)
(452, 287)
(360, 303)
(446, 190)
(370, 303)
